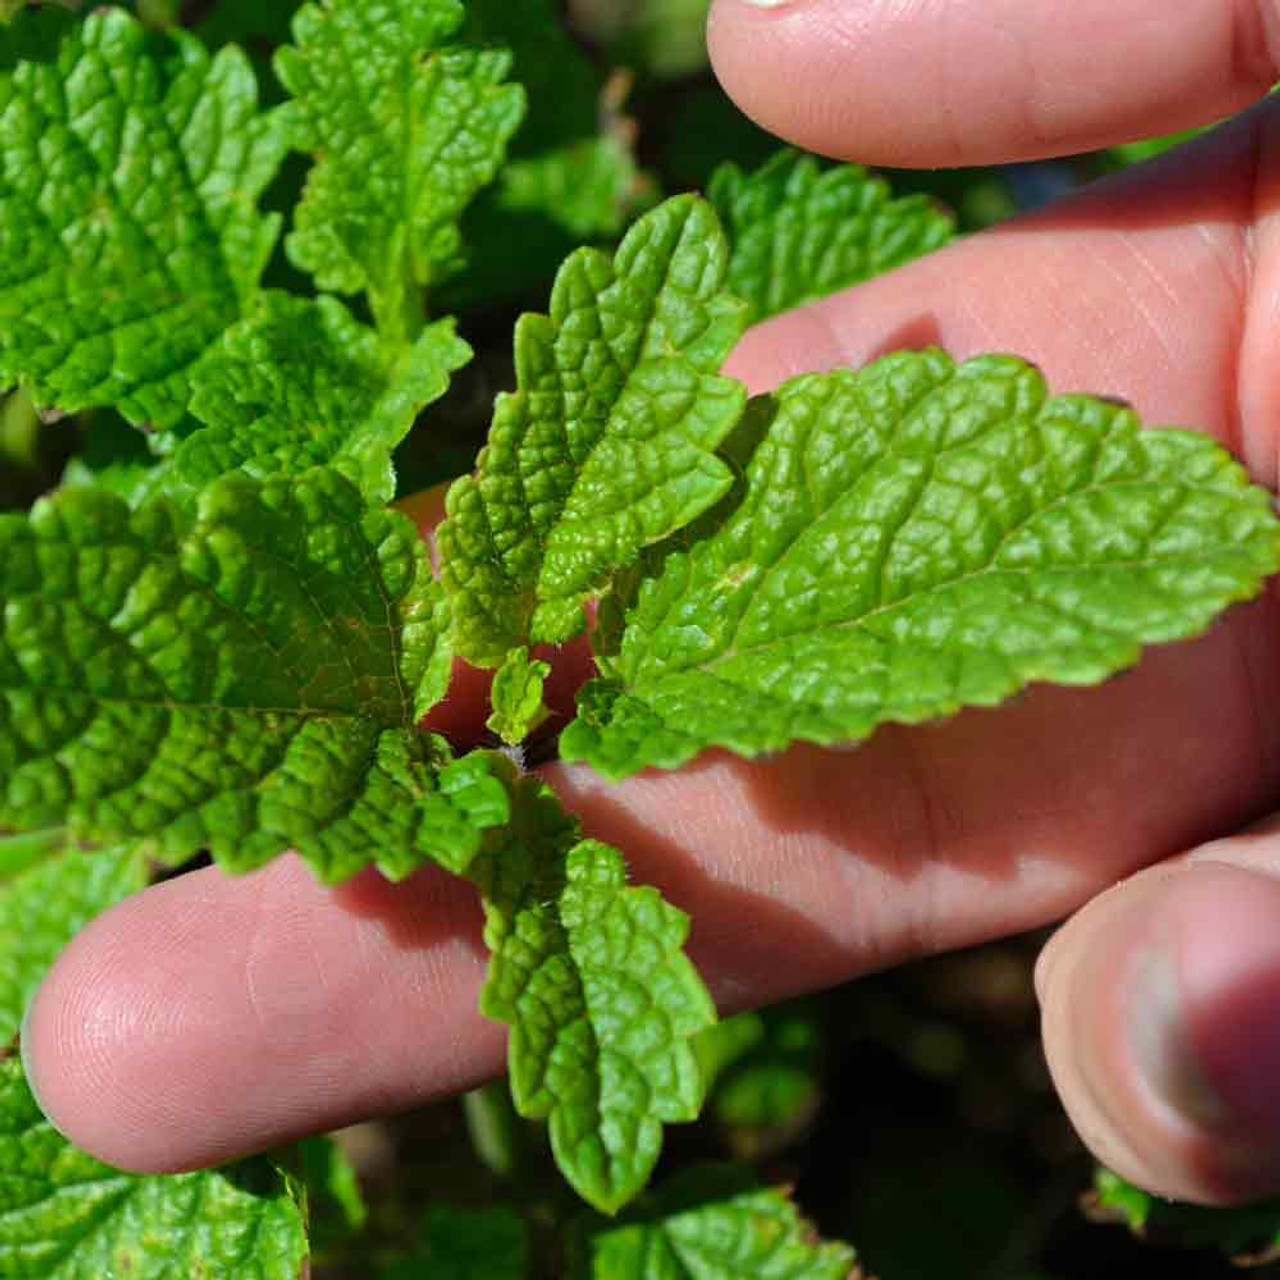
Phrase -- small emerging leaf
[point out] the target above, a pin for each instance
(801, 230)
(66, 1216)
(518, 708)
(601, 1000)
(609, 443)
(130, 166)
(300, 383)
(916, 538)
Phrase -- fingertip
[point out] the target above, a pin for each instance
(78, 1041)
(1159, 1012)
(970, 82)
(208, 1018)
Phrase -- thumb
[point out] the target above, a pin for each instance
(1160, 1014)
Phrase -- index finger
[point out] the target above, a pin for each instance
(962, 82)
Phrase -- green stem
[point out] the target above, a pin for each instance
(20, 852)
(497, 1133)
(20, 431)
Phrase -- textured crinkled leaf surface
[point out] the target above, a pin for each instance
(246, 679)
(405, 129)
(65, 1216)
(609, 442)
(301, 383)
(518, 708)
(716, 1228)
(130, 164)
(800, 230)
(42, 910)
(916, 538)
(601, 1000)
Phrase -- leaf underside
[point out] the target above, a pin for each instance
(608, 445)
(246, 679)
(130, 165)
(66, 1216)
(601, 1000)
(912, 539)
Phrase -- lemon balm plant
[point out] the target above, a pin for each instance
(229, 645)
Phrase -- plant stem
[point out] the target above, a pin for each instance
(20, 431)
(497, 1133)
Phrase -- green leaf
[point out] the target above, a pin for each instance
(713, 1225)
(572, 177)
(662, 37)
(336, 1207)
(801, 230)
(731, 1039)
(405, 130)
(561, 83)
(20, 852)
(10, 9)
(130, 164)
(43, 909)
(247, 678)
(65, 1216)
(767, 1093)
(588, 188)
(1250, 1233)
(518, 708)
(300, 383)
(544, 207)
(601, 1000)
(916, 538)
(468, 1244)
(609, 443)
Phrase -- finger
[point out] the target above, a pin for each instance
(961, 82)
(209, 1017)
(800, 871)
(1160, 1004)
(1157, 285)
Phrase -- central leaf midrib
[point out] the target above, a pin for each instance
(861, 621)
(609, 429)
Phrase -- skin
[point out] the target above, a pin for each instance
(208, 1017)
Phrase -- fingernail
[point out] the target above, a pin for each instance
(1231, 982)
(1166, 1062)
(1205, 1035)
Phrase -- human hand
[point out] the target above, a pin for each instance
(209, 1017)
